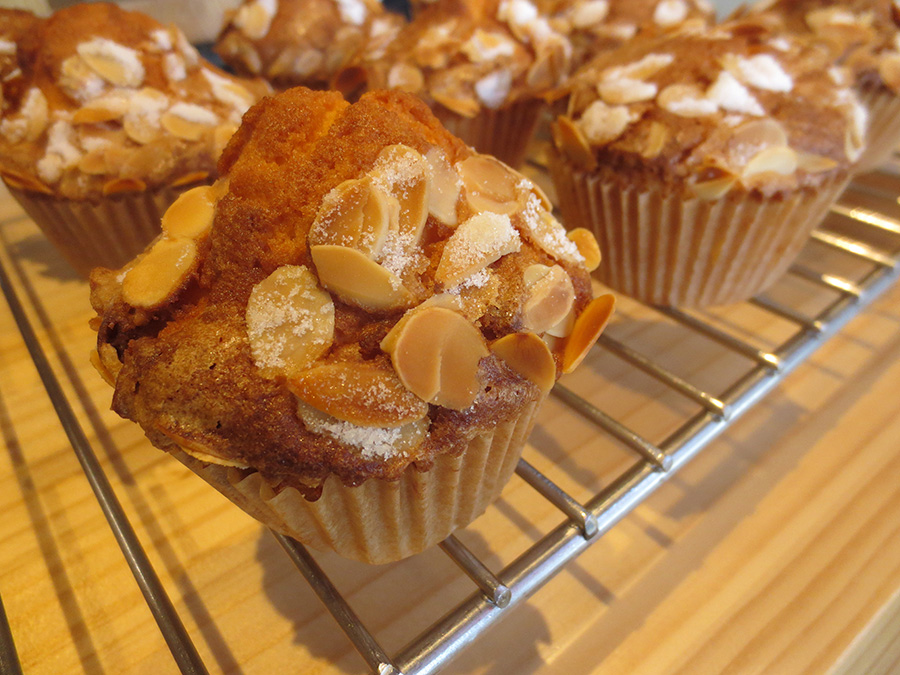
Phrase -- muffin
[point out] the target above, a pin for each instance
(349, 333)
(106, 117)
(593, 26)
(302, 42)
(703, 160)
(482, 68)
(863, 36)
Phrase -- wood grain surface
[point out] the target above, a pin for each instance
(776, 551)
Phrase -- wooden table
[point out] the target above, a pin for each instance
(776, 551)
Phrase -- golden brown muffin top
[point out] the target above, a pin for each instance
(359, 292)
(302, 42)
(467, 56)
(734, 105)
(863, 35)
(101, 100)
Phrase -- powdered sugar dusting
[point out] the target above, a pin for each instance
(731, 95)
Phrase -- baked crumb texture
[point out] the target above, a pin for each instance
(98, 101)
(359, 293)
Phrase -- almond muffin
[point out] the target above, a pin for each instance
(863, 36)
(106, 116)
(703, 160)
(483, 70)
(303, 42)
(349, 333)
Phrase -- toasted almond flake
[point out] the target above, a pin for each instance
(493, 89)
(372, 442)
(358, 280)
(160, 273)
(94, 163)
(889, 70)
(490, 185)
(403, 173)
(192, 177)
(646, 67)
(191, 215)
(460, 103)
(478, 242)
(228, 92)
(571, 142)
(24, 181)
(540, 227)
(290, 321)
(120, 185)
(587, 246)
(686, 100)
(550, 297)
(188, 121)
(357, 214)
(670, 12)
(79, 81)
(626, 90)
(731, 95)
(364, 393)
(812, 163)
(436, 355)
(777, 159)
(446, 186)
(587, 329)
(586, 14)
(406, 77)
(601, 123)
(255, 18)
(115, 63)
(528, 356)
(196, 449)
(91, 115)
(761, 71)
(713, 189)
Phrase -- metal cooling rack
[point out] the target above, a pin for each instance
(863, 228)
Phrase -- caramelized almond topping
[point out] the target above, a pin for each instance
(188, 122)
(587, 329)
(777, 159)
(193, 177)
(358, 280)
(120, 185)
(405, 174)
(436, 353)
(481, 240)
(713, 189)
(587, 246)
(367, 393)
(445, 188)
(290, 321)
(529, 356)
(550, 297)
(91, 115)
(490, 184)
(196, 449)
(571, 142)
(160, 273)
(356, 214)
(812, 163)
(191, 215)
(22, 181)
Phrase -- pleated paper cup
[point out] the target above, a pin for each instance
(883, 135)
(504, 133)
(108, 233)
(383, 521)
(664, 247)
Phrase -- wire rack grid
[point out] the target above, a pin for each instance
(852, 259)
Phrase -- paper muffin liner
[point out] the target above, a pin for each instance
(108, 233)
(883, 135)
(504, 133)
(382, 521)
(665, 248)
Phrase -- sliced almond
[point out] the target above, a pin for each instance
(601, 124)
(780, 159)
(490, 184)
(406, 77)
(686, 100)
(373, 442)
(188, 121)
(550, 297)
(365, 393)
(356, 214)
(160, 273)
(196, 449)
(436, 353)
(546, 232)
(657, 137)
(91, 115)
(587, 245)
(445, 187)
(812, 163)
(713, 189)
(254, 19)
(358, 280)
(94, 163)
(290, 321)
(115, 63)
(889, 70)
(587, 329)
(140, 129)
(120, 185)
(481, 240)
(24, 181)
(759, 134)
(572, 144)
(528, 356)
(191, 215)
(192, 177)
(461, 104)
(624, 91)
(404, 173)
(36, 114)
